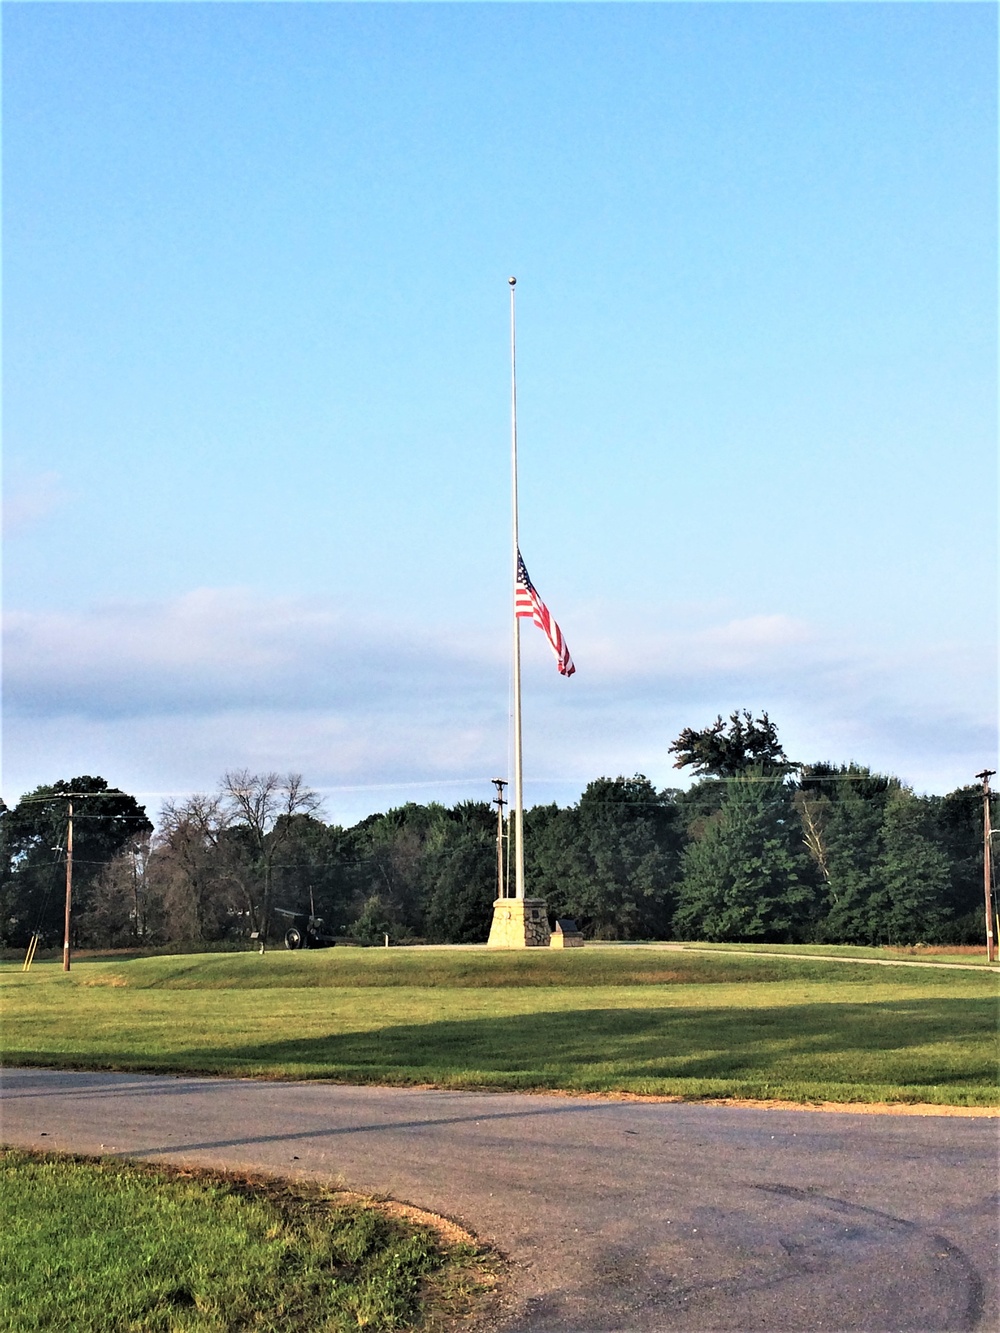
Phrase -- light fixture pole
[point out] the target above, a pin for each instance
(499, 802)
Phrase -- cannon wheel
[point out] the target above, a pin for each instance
(293, 939)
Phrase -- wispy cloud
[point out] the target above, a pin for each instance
(218, 650)
(167, 695)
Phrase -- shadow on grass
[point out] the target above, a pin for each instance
(943, 1043)
(923, 1048)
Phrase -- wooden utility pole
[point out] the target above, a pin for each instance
(135, 897)
(70, 796)
(69, 884)
(985, 776)
(499, 802)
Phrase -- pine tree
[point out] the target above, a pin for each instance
(461, 876)
(851, 841)
(611, 861)
(910, 903)
(746, 878)
(32, 859)
(876, 846)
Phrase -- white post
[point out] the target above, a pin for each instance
(518, 803)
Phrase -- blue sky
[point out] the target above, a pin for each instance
(256, 388)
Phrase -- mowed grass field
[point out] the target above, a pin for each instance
(965, 954)
(620, 1019)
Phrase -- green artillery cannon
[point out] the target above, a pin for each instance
(305, 931)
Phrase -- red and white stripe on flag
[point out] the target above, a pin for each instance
(527, 603)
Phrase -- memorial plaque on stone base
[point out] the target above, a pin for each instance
(519, 923)
(566, 935)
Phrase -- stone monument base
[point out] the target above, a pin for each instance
(519, 923)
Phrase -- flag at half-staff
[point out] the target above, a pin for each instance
(528, 604)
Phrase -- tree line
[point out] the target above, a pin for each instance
(758, 849)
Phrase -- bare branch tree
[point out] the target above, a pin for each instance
(205, 816)
(123, 907)
(191, 864)
(814, 812)
(263, 804)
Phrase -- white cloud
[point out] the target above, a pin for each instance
(216, 650)
(163, 697)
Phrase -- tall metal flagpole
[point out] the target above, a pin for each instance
(519, 922)
(518, 804)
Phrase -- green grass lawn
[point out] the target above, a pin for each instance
(914, 953)
(620, 1019)
(98, 1246)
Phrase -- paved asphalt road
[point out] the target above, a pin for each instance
(616, 1215)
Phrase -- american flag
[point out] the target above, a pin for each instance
(528, 603)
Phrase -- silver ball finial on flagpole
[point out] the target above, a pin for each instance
(512, 281)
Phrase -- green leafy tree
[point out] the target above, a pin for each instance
(33, 858)
(124, 909)
(201, 875)
(910, 902)
(461, 884)
(214, 856)
(441, 869)
(842, 810)
(262, 805)
(699, 804)
(746, 878)
(727, 749)
(876, 846)
(610, 862)
(957, 830)
(317, 865)
(391, 850)
(373, 924)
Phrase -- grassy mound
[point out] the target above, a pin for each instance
(673, 1024)
(454, 968)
